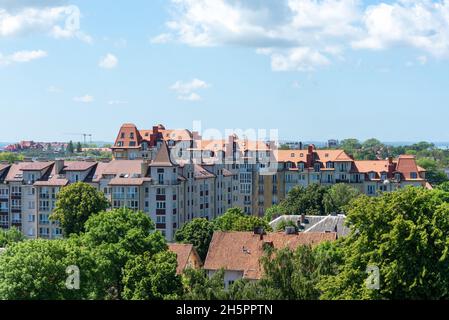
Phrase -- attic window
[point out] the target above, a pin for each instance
(326, 155)
(301, 155)
(292, 155)
(413, 175)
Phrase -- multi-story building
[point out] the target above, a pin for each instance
(175, 176)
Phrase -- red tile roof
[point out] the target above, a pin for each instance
(183, 252)
(241, 251)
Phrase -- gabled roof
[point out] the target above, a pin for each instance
(241, 251)
(183, 252)
(201, 173)
(162, 158)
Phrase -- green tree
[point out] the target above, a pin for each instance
(403, 233)
(10, 236)
(148, 277)
(79, 147)
(70, 148)
(116, 237)
(308, 200)
(444, 186)
(199, 286)
(197, 232)
(36, 270)
(10, 157)
(434, 175)
(235, 219)
(75, 204)
(338, 197)
(274, 212)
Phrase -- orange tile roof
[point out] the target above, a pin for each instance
(183, 252)
(366, 166)
(320, 155)
(241, 251)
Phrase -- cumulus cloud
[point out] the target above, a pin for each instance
(84, 99)
(187, 90)
(54, 18)
(22, 57)
(308, 34)
(109, 61)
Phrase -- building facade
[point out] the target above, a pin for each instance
(175, 176)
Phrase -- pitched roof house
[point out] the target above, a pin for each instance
(186, 255)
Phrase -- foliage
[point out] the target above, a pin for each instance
(274, 212)
(338, 197)
(148, 277)
(75, 204)
(433, 174)
(285, 223)
(10, 157)
(197, 232)
(235, 219)
(307, 200)
(199, 286)
(10, 236)
(405, 234)
(36, 270)
(115, 237)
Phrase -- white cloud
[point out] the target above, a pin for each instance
(117, 102)
(46, 17)
(108, 62)
(162, 38)
(22, 57)
(186, 90)
(306, 34)
(84, 99)
(190, 97)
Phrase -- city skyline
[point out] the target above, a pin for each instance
(365, 71)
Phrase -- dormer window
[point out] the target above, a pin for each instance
(131, 135)
(398, 176)
(413, 175)
(317, 167)
(372, 175)
(292, 155)
(329, 165)
(384, 176)
(122, 135)
(301, 165)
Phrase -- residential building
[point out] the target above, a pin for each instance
(175, 176)
(186, 255)
(239, 253)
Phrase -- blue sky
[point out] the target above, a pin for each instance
(315, 70)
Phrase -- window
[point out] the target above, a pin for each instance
(160, 205)
(131, 135)
(413, 175)
(122, 135)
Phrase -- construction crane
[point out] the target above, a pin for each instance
(84, 135)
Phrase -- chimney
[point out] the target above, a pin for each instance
(310, 155)
(391, 167)
(144, 168)
(59, 165)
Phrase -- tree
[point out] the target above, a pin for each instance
(70, 148)
(403, 234)
(284, 224)
(434, 175)
(292, 275)
(10, 236)
(37, 270)
(274, 212)
(444, 186)
(148, 277)
(235, 219)
(338, 197)
(308, 200)
(197, 232)
(199, 286)
(75, 204)
(10, 157)
(116, 237)
(79, 147)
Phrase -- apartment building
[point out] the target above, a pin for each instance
(175, 176)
